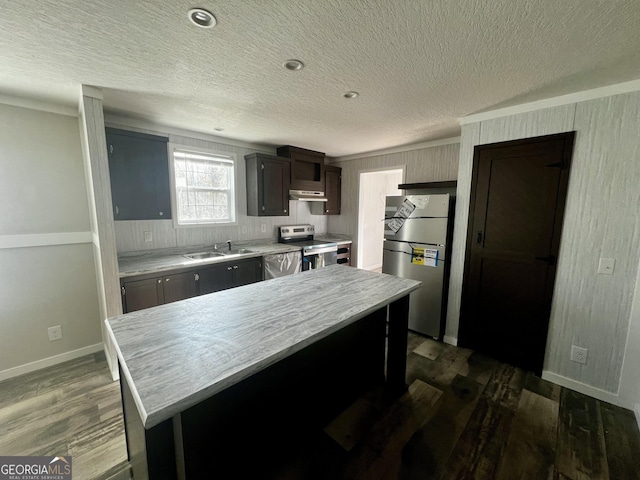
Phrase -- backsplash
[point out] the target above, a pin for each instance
(130, 234)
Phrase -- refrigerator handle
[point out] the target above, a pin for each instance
(479, 238)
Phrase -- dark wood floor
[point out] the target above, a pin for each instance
(465, 416)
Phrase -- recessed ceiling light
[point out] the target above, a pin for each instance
(202, 18)
(293, 65)
(351, 95)
(218, 129)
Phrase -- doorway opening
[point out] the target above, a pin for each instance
(374, 186)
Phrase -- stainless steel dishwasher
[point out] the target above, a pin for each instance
(281, 264)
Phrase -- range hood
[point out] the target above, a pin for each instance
(307, 196)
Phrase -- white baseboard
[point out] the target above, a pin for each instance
(585, 389)
(450, 340)
(49, 361)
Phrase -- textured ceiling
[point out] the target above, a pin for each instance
(418, 64)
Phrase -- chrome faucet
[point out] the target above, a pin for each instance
(215, 245)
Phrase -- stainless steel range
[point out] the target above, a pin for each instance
(315, 253)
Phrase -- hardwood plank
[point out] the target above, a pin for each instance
(542, 387)
(504, 386)
(480, 368)
(426, 454)
(59, 421)
(622, 441)
(477, 453)
(104, 440)
(530, 449)
(430, 349)
(413, 340)
(439, 373)
(348, 428)
(384, 444)
(580, 451)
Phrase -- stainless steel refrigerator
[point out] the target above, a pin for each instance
(416, 245)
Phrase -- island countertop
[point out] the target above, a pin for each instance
(175, 355)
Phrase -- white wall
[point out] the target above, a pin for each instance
(602, 219)
(374, 188)
(429, 164)
(130, 234)
(46, 261)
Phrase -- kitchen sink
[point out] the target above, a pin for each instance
(204, 255)
(216, 254)
(239, 251)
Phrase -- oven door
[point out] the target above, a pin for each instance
(311, 261)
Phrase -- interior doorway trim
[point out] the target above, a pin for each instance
(362, 203)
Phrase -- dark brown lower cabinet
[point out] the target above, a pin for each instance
(141, 294)
(229, 275)
(148, 291)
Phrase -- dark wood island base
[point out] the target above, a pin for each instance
(246, 430)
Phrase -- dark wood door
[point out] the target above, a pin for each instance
(179, 286)
(139, 173)
(141, 294)
(216, 278)
(515, 220)
(246, 272)
(274, 186)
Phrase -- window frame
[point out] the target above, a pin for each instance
(233, 208)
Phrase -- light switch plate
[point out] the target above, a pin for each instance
(148, 237)
(606, 266)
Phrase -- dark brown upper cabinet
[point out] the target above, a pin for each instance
(332, 190)
(307, 168)
(139, 172)
(268, 180)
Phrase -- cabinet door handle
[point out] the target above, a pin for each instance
(196, 277)
(235, 267)
(479, 239)
(284, 211)
(228, 268)
(167, 279)
(159, 281)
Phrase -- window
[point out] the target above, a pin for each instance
(203, 186)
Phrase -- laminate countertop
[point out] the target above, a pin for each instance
(164, 260)
(174, 356)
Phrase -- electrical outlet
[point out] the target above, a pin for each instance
(578, 354)
(263, 228)
(55, 333)
(148, 237)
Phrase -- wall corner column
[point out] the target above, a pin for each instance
(96, 163)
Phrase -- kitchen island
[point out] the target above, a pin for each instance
(280, 354)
